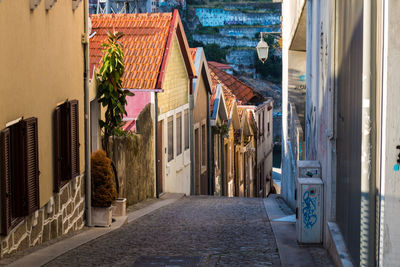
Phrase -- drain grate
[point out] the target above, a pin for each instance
(167, 261)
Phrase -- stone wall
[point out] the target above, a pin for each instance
(133, 157)
(62, 214)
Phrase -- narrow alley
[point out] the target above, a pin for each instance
(216, 231)
(191, 231)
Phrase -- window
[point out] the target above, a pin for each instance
(19, 162)
(268, 128)
(186, 129)
(263, 122)
(66, 143)
(170, 138)
(178, 134)
(203, 145)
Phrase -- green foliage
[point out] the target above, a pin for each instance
(110, 93)
(214, 52)
(104, 191)
(207, 30)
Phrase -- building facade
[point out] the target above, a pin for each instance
(263, 117)
(201, 124)
(159, 74)
(351, 122)
(41, 122)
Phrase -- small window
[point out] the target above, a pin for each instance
(178, 134)
(203, 145)
(263, 122)
(19, 166)
(66, 143)
(170, 138)
(186, 129)
(268, 128)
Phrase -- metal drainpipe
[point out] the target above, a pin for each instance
(88, 184)
(191, 107)
(210, 192)
(367, 222)
(156, 141)
(222, 166)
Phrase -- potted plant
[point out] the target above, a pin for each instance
(119, 204)
(104, 192)
(112, 96)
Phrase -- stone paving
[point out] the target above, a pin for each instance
(216, 231)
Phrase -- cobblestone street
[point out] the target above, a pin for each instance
(214, 231)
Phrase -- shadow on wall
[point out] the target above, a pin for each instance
(133, 157)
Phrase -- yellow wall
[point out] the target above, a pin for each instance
(176, 81)
(41, 65)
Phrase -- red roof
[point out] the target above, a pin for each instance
(146, 42)
(242, 91)
(220, 65)
(228, 95)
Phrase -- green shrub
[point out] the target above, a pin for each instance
(104, 191)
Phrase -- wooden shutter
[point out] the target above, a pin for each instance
(57, 149)
(5, 176)
(74, 135)
(31, 156)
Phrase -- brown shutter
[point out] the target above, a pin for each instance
(5, 176)
(57, 149)
(31, 165)
(74, 130)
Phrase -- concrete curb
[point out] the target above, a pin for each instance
(47, 254)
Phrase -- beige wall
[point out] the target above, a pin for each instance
(200, 106)
(41, 65)
(176, 81)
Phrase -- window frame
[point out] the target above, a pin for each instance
(203, 149)
(170, 147)
(179, 137)
(66, 143)
(19, 155)
(186, 134)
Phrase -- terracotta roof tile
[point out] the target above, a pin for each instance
(242, 91)
(220, 66)
(230, 98)
(144, 43)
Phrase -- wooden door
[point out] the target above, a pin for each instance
(236, 172)
(196, 162)
(160, 155)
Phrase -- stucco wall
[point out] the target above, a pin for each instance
(42, 65)
(200, 117)
(133, 157)
(390, 178)
(200, 106)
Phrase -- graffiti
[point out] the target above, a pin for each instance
(309, 207)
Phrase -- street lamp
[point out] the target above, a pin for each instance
(263, 47)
